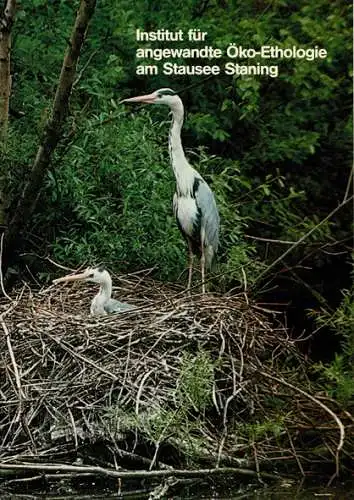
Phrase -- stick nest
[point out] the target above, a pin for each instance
(214, 377)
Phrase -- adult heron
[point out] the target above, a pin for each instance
(102, 303)
(194, 204)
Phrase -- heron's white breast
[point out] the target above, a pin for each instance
(97, 306)
(187, 213)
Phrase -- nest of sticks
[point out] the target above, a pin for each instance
(69, 380)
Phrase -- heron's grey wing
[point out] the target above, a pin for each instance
(114, 306)
(210, 220)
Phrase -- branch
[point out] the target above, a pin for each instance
(20, 393)
(85, 67)
(304, 237)
(323, 406)
(1, 274)
(133, 474)
(350, 180)
(269, 240)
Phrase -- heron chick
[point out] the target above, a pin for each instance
(102, 303)
(194, 204)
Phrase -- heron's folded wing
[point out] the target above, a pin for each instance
(114, 305)
(210, 216)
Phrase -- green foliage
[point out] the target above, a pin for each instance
(196, 381)
(120, 198)
(338, 376)
(270, 427)
(159, 425)
(117, 421)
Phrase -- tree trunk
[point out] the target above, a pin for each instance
(53, 130)
(6, 21)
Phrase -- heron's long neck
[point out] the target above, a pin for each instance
(105, 290)
(102, 297)
(180, 166)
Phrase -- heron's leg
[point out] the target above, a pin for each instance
(190, 265)
(202, 268)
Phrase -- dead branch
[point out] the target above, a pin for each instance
(20, 394)
(141, 474)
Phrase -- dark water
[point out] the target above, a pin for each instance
(344, 492)
(285, 490)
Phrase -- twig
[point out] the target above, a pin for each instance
(256, 461)
(145, 377)
(1, 276)
(222, 441)
(78, 78)
(295, 454)
(269, 240)
(350, 180)
(126, 368)
(53, 477)
(59, 265)
(20, 393)
(304, 237)
(74, 428)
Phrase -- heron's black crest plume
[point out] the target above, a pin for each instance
(166, 92)
(101, 269)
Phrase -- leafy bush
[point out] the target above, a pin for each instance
(119, 188)
(338, 376)
(196, 381)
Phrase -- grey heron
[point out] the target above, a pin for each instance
(194, 204)
(102, 303)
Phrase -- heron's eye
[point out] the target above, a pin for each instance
(91, 275)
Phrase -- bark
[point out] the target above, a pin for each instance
(6, 21)
(53, 130)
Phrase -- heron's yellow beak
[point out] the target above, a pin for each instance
(145, 99)
(72, 277)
